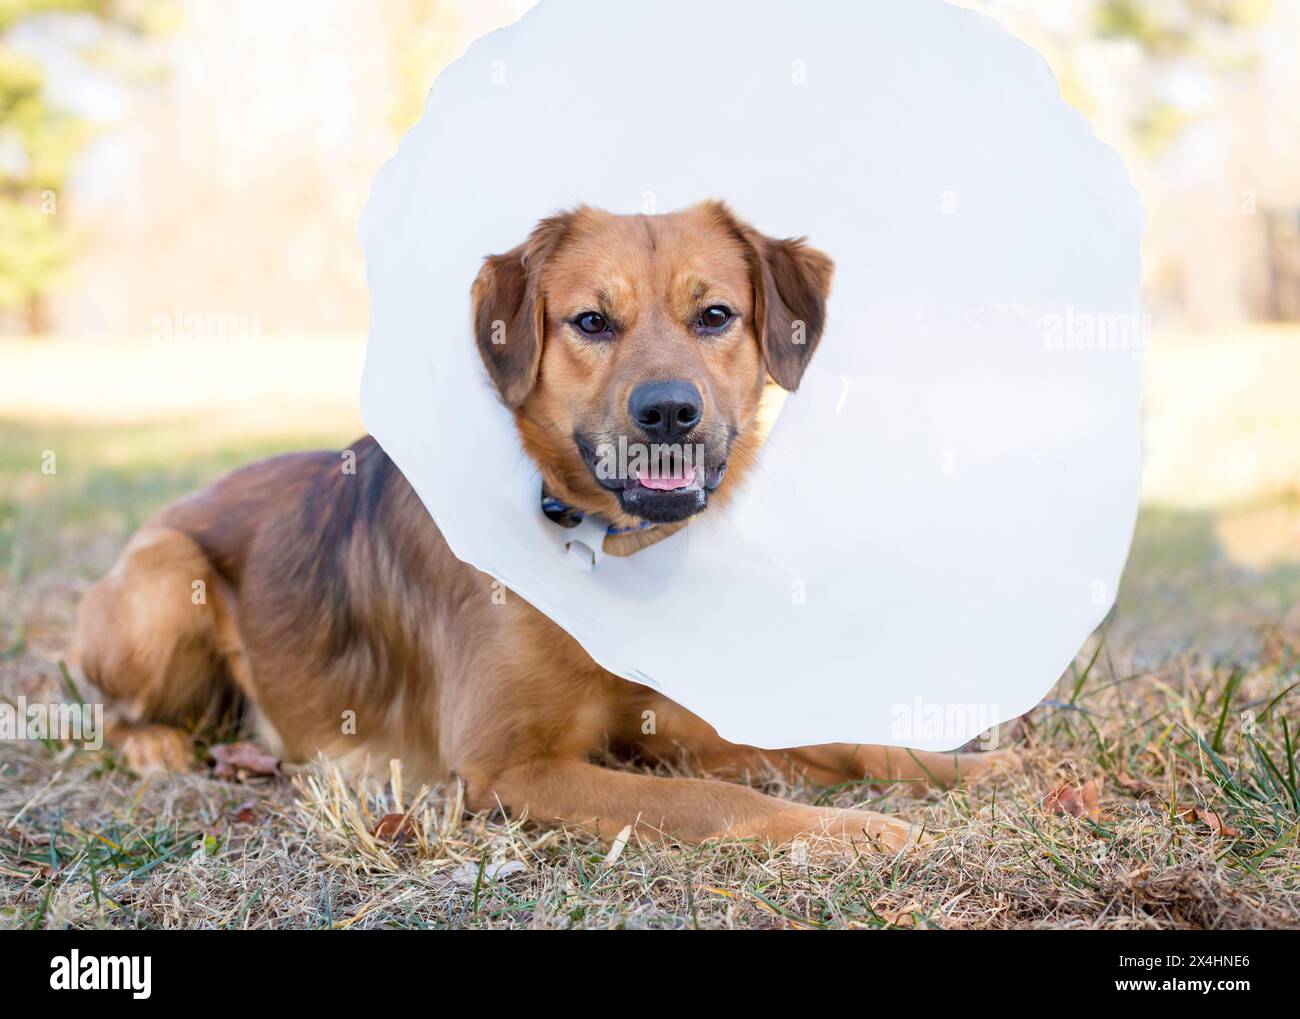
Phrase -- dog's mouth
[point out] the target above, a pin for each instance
(660, 484)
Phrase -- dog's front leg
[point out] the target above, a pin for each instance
(604, 802)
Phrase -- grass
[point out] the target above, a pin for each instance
(1180, 720)
(92, 846)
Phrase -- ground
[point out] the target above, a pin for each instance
(1156, 786)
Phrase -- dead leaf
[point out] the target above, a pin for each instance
(239, 761)
(246, 812)
(1218, 825)
(31, 838)
(1134, 785)
(1211, 820)
(901, 917)
(395, 828)
(1092, 799)
(1077, 801)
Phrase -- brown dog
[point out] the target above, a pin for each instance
(328, 599)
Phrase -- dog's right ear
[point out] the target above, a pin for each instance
(509, 317)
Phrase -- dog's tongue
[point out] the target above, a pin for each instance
(667, 483)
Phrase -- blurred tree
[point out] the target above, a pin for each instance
(39, 142)
(1207, 34)
(1173, 27)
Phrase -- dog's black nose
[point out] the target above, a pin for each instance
(665, 411)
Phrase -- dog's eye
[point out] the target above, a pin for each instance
(714, 317)
(592, 323)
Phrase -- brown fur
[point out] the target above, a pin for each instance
(325, 592)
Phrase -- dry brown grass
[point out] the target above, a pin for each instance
(93, 846)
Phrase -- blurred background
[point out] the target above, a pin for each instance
(180, 182)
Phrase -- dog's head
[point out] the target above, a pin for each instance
(633, 350)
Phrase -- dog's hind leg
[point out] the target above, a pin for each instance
(148, 641)
(827, 764)
(887, 765)
(838, 763)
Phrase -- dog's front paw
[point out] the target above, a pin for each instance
(158, 749)
(831, 832)
(857, 829)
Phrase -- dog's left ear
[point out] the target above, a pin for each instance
(790, 305)
(509, 316)
(791, 285)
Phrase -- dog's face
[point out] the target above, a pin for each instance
(634, 350)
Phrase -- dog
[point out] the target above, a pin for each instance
(328, 601)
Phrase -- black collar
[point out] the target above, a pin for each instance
(567, 516)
